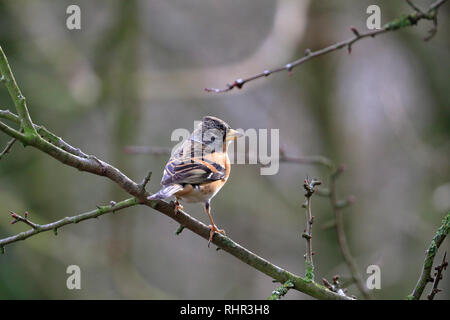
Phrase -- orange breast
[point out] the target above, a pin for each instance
(222, 159)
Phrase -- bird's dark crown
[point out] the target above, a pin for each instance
(210, 122)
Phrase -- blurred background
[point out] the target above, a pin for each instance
(136, 71)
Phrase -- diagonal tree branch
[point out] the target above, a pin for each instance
(425, 276)
(397, 24)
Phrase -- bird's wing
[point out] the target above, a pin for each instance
(195, 170)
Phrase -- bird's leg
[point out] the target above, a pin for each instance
(178, 206)
(212, 226)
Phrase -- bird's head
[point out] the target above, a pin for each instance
(215, 133)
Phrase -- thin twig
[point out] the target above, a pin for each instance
(412, 5)
(425, 276)
(342, 239)
(39, 228)
(283, 156)
(18, 218)
(336, 204)
(8, 147)
(239, 83)
(400, 23)
(438, 277)
(309, 186)
(18, 98)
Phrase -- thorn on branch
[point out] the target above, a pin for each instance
(355, 31)
(145, 182)
(179, 230)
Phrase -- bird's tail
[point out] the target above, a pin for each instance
(166, 192)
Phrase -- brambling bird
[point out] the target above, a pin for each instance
(199, 168)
